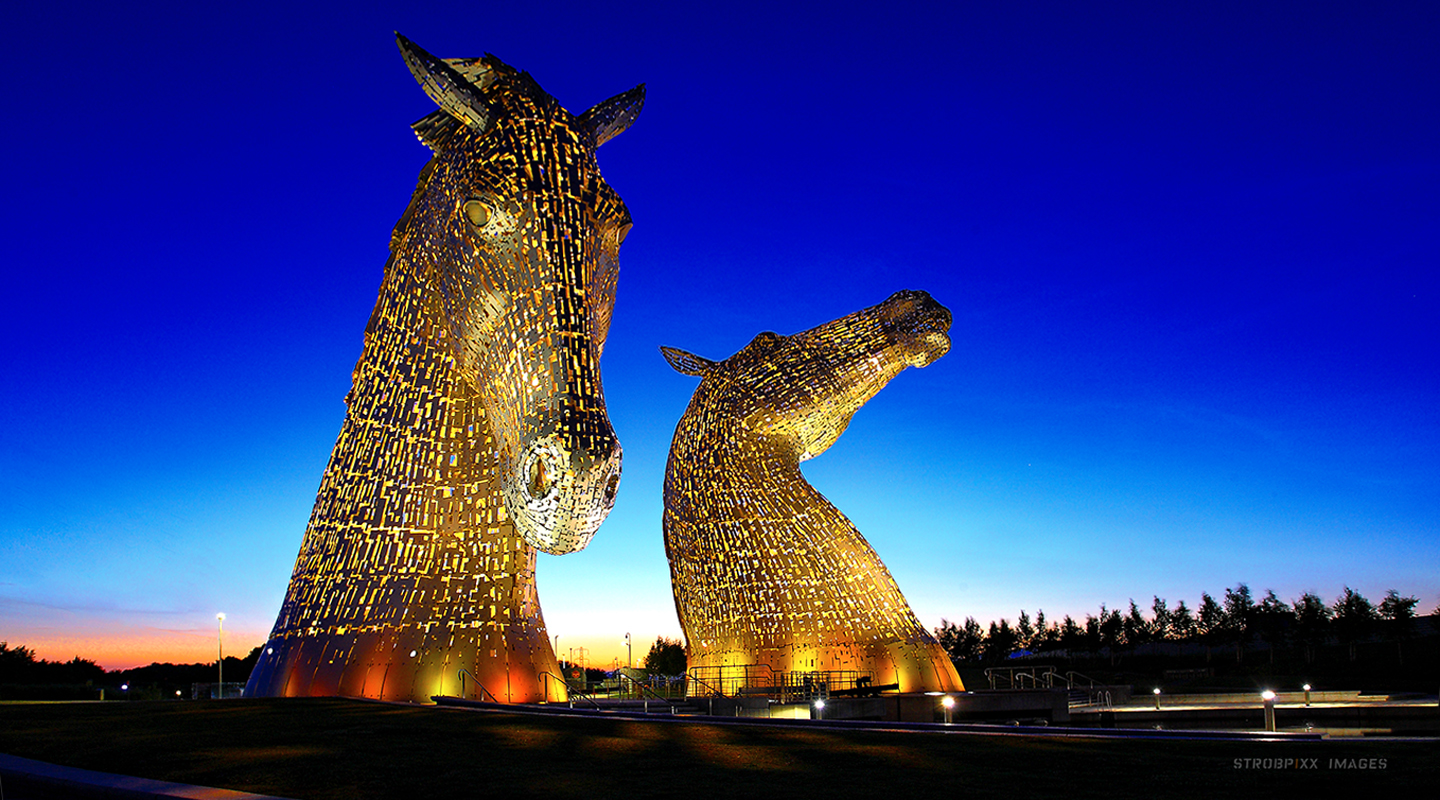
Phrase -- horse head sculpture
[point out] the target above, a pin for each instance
(766, 572)
(522, 237)
(476, 430)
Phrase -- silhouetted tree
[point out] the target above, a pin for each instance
(1134, 627)
(1024, 631)
(1112, 627)
(1182, 624)
(1092, 633)
(1401, 613)
(19, 665)
(1047, 636)
(1000, 642)
(1160, 625)
(962, 642)
(1072, 637)
(1239, 618)
(1312, 623)
(1211, 619)
(666, 657)
(1273, 620)
(1354, 618)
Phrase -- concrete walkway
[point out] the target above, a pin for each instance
(24, 778)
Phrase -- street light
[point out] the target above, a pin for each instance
(1306, 687)
(1157, 698)
(220, 648)
(1269, 698)
(949, 703)
(629, 659)
(819, 709)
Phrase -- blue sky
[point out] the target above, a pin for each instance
(1191, 256)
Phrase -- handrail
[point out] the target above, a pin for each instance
(1072, 675)
(691, 677)
(570, 691)
(483, 690)
(643, 687)
(1015, 677)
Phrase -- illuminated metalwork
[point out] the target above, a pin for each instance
(765, 570)
(476, 429)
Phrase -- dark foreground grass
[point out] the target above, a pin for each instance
(327, 748)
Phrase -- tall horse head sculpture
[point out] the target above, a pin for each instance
(476, 431)
(766, 572)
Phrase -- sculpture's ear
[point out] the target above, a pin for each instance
(454, 84)
(686, 363)
(610, 118)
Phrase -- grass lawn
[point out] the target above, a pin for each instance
(331, 748)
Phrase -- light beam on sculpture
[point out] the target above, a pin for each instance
(476, 429)
(766, 571)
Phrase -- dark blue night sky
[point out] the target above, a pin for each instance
(1191, 254)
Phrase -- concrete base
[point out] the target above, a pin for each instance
(1025, 706)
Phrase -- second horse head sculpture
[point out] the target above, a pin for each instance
(766, 572)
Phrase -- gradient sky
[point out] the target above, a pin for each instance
(1191, 256)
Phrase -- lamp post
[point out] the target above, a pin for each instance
(629, 658)
(1269, 698)
(1306, 687)
(1157, 698)
(949, 703)
(220, 649)
(819, 709)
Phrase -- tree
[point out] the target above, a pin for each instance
(1160, 624)
(1046, 637)
(666, 657)
(1072, 637)
(1312, 623)
(17, 664)
(1401, 613)
(1136, 630)
(1182, 624)
(1354, 618)
(1092, 633)
(1112, 626)
(1024, 631)
(962, 642)
(1239, 618)
(1000, 642)
(1211, 618)
(1273, 620)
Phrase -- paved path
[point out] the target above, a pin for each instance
(24, 778)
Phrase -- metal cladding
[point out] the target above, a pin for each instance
(765, 570)
(476, 429)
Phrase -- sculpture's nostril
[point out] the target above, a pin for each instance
(540, 479)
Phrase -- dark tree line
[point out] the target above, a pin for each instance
(1235, 622)
(18, 667)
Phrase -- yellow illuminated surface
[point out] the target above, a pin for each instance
(770, 579)
(476, 429)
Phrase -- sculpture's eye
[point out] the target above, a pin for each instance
(477, 212)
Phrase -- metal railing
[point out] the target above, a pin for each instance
(483, 690)
(784, 687)
(1036, 678)
(642, 688)
(570, 691)
(1016, 677)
